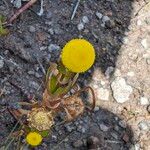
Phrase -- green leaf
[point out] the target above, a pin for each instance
(44, 133)
(52, 84)
(61, 68)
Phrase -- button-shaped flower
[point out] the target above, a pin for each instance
(33, 138)
(78, 55)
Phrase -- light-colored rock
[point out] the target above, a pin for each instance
(131, 74)
(103, 127)
(143, 125)
(123, 124)
(102, 94)
(105, 18)
(32, 29)
(53, 47)
(144, 43)
(144, 101)
(121, 91)
(1, 63)
(80, 26)
(85, 19)
(139, 22)
(109, 71)
(99, 15)
(117, 73)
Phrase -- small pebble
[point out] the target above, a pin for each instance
(103, 127)
(122, 124)
(139, 22)
(53, 47)
(85, 19)
(148, 61)
(1, 63)
(78, 143)
(96, 109)
(93, 142)
(143, 125)
(144, 101)
(99, 15)
(80, 26)
(105, 18)
(144, 43)
(32, 29)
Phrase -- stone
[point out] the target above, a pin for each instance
(96, 109)
(80, 26)
(137, 147)
(102, 94)
(17, 3)
(93, 142)
(125, 40)
(32, 29)
(144, 43)
(131, 74)
(103, 127)
(126, 137)
(78, 143)
(144, 101)
(109, 72)
(143, 125)
(105, 19)
(121, 90)
(51, 31)
(139, 22)
(34, 84)
(114, 135)
(1, 63)
(85, 19)
(53, 47)
(148, 61)
(49, 15)
(122, 124)
(99, 15)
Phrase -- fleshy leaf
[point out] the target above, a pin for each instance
(52, 84)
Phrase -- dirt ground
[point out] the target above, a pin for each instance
(120, 32)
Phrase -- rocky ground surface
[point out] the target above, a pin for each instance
(120, 77)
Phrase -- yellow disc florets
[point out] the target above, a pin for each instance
(78, 55)
(40, 119)
(34, 138)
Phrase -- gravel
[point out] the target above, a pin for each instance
(103, 127)
(80, 26)
(1, 63)
(32, 29)
(144, 101)
(85, 19)
(144, 43)
(102, 94)
(53, 47)
(99, 15)
(123, 124)
(143, 125)
(121, 90)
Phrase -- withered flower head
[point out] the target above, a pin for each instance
(74, 107)
(40, 119)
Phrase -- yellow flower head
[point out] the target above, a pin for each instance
(78, 55)
(34, 138)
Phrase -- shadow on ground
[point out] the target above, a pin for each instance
(29, 45)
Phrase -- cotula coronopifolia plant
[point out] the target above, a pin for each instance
(77, 56)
